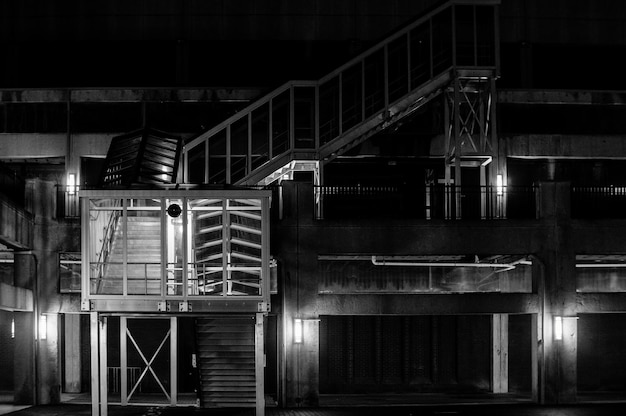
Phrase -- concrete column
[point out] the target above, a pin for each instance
(557, 291)
(24, 359)
(299, 285)
(500, 353)
(24, 379)
(72, 362)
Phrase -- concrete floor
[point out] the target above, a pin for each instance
(442, 410)
(341, 405)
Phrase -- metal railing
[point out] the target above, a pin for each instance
(68, 202)
(598, 201)
(315, 120)
(426, 202)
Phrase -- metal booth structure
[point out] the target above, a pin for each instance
(152, 258)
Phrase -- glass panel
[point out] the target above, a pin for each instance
(344, 276)
(260, 135)
(105, 268)
(485, 35)
(196, 166)
(329, 110)
(352, 100)
(420, 55)
(217, 158)
(304, 117)
(209, 280)
(244, 283)
(442, 41)
(143, 242)
(280, 124)
(601, 280)
(69, 272)
(238, 149)
(245, 234)
(207, 223)
(207, 248)
(465, 51)
(398, 79)
(374, 83)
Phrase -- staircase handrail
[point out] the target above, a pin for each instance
(108, 234)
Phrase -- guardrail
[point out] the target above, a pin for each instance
(598, 201)
(425, 202)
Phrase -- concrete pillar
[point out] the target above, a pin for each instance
(24, 364)
(557, 292)
(24, 380)
(72, 362)
(299, 284)
(500, 353)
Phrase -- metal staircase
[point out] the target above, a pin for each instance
(451, 50)
(226, 358)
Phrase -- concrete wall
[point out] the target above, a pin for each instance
(552, 241)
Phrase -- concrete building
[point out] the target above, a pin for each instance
(264, 203)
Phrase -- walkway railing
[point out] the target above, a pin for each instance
(598, 201)
(317, 120)
(425, 202)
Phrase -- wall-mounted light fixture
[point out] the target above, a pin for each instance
(43, 327)
(499, 185)
(297, 331)
(558, 328)
(71, 184)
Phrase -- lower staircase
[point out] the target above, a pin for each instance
(226, 358)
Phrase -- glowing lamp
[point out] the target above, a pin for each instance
(297, 331)
(558, 328)
(499, 185)
(71, 184)
(43, 327)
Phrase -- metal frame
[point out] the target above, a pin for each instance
(186, 301)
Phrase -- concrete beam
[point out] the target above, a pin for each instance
(129, 95)
(15, 298)
(561, 97)
(428, 304)
(15, 226)
(566, 146)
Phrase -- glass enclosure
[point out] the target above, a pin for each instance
(180, 244)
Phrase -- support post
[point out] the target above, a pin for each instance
(72, 350)
(95, 368)
(173, 361)
(103, 367)
(535, 356)
(483, 191)
(500, 353)
(259, 359)
(458, 151)
(123, 361)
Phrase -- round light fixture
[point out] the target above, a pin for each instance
(174, 210)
